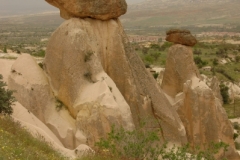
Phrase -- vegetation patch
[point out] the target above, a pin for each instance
(18, 144)
(140, 144)
(6, 99)
(88, 56)
(59, 105)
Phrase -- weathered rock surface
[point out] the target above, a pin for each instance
(38, 129)
(180, 67)
(98, 9)
(213, 83)
(183, 37)
(33, 92)
(201, 111)
(233, 91)
(68, 66)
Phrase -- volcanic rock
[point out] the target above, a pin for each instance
(201, 112)
(82, 55)
(98, 9)
(180, 67)
(183, 37)
(34, 93)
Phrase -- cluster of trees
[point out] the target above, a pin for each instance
(151, 54)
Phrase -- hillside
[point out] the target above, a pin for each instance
(158, 14)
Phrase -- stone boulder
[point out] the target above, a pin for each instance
(88, 58)
(201, 112)
(98, 9)
(183, 37)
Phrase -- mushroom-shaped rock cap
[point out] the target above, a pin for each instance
(98, 9)
(183, 37)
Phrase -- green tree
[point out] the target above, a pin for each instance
(199, 62)
(149, 59)
(5, 49)
(237, 58)
(197, 51)
(155, 54)
(221, 53)
(224, 93)
(165, 46)
(215, 61)
(155, 46)
(6, 99)
(145, 50)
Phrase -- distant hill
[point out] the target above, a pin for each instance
(24, 7)
(16, 7)
(155, 13)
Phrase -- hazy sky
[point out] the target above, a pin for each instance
(13, 7)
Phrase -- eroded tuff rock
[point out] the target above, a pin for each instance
(199, 108)
(91, 69)
(67, 64)
(98, 9)
(213, 83)
(34, 93)
(183, 37)
(180, 67)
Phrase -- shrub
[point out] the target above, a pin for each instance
(88, 56)
(165, 46)
(141, 144)
(88, 76)
(145, 50)
(235, 135)
(59, 105)
(40, 53)
(199, 62)
(155, 54)
(5, 49)
(155, 75)
(237, 58)
(147, 65)
(237, 145)
(149, 59)
(6, 99)
(236, 126)
(215, 61)
(197, 51)
(136, 144)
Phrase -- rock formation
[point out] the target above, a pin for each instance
(98, 9)
(33, 92)
(183, 37)
(91, 69)
(104, 47)
(92, 79)
(198, 106)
